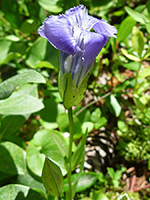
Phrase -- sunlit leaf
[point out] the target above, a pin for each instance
(137, 16)
(9, 85)
(54, 147)
(145, 73)
(130, 56)
(12, 159)
(20, 105)
(131, 65)
(147, 53)
(138, 41)
(115, 104)
(20, 192)
(125, 28)
(52, 6)
(86, 181)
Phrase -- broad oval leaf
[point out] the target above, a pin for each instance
(20, 192)
(48, 143)
(87, 179)
(63, 123)
(12, 159)
(20, 105)
(29, 76)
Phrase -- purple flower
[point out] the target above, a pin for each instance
(70, 33)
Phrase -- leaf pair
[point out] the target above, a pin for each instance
(52, 175)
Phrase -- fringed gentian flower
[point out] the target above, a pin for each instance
(70, 33)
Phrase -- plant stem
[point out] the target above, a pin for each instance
(70, 117)
(92, 102)
(136, 77)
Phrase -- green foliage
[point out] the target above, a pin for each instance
(54, 147)
(19, 192)
(135, 138)
(52, 178)
(12, 159)
(33, 122)
(86, 181)
(115, 175)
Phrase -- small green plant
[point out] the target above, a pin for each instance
(115, 175)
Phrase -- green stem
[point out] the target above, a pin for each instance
(136, 77)
(70, 117)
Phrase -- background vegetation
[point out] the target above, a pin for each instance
(116, 107)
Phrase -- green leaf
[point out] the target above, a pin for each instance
(99, 195)
(51, 6)
(100, 122)
(87, 126)
(46, 119)
(10, 125)
(145, 73)
(11, 56)
(130, 56)
(20, 192)
(142, 86)
(12, 159)
(52, 56)
(83, 116)
(87, 180)
(4, 48)
(111, 172)
(35, 159)
(122, 126)
(75, 181)
(79, 152)
(28, 180)
(12, 38)
(138, 41)
(20, 105)
(37, 52)
(52, 178)
(63, 124)
(96, 114)
(115, 104)
(125, 28)
(28, 26)
(131, 65)
(45, 64)
(138, 102)
(48, 143)
(137, 16)
(29, 76)
(11, 10)
(128, 83)
(147, 53)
